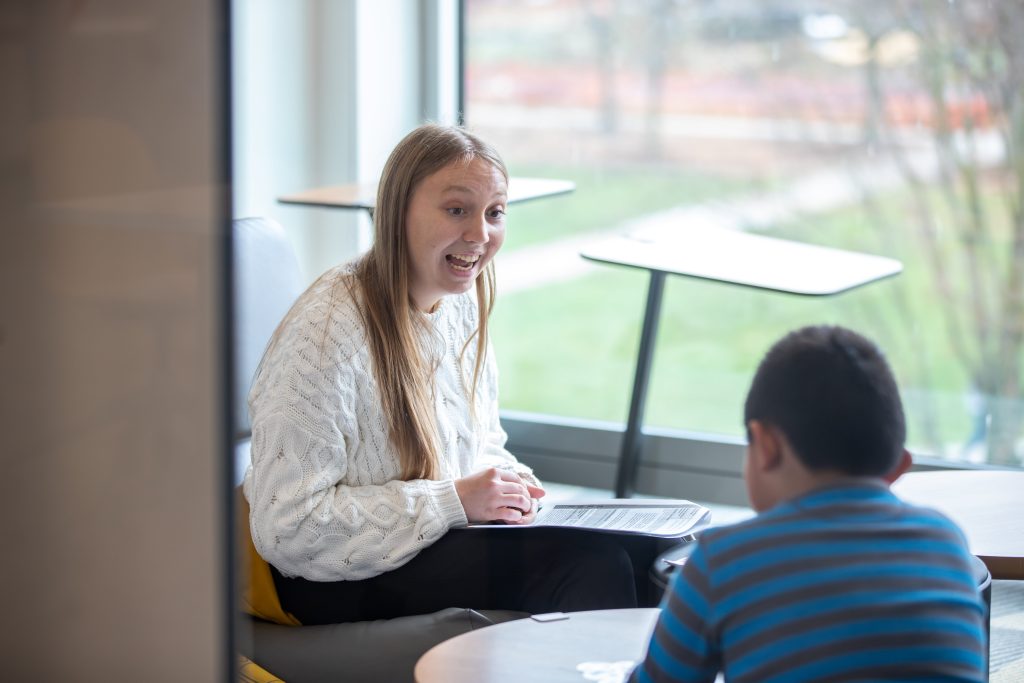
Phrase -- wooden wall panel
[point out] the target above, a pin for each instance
(113, 200)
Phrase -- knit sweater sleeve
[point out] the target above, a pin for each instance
(306, 523)
(326, 501)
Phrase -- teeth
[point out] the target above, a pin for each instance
(463, 262)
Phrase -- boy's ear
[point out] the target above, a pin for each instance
(902, 466)
(765, 445)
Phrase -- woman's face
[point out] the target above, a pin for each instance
(455, 224)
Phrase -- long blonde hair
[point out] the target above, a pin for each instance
(393, 324)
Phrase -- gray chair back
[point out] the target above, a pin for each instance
(268, 280)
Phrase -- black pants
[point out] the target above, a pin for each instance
(531, 570)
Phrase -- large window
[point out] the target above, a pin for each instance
(894, 128)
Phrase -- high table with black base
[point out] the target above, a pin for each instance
(729, 256)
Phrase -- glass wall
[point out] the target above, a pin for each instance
(892, 128)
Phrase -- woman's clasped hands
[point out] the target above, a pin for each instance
(496, 495)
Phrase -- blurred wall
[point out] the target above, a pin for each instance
(113, 149)
(323, 91)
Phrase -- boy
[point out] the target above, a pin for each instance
(836, 578)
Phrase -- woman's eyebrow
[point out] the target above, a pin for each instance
(457, 188)
(462, 189)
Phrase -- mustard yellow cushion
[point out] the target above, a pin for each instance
(250, 672)
(258, 595)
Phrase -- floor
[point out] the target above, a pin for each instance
(1006, 650)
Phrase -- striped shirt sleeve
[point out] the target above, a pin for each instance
(683, 646)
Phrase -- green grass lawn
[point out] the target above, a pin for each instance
(605, 198)
(569, 349)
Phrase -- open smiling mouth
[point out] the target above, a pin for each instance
(462, 262)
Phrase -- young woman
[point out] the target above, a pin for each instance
(375, 421)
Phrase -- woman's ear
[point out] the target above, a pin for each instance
(902, 466)
(765, 451)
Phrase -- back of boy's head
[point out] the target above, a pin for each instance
(833, 395)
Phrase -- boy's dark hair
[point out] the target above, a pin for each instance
(833, 395)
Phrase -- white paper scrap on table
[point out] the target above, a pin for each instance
(606, 672)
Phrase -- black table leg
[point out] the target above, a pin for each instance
(629, 457)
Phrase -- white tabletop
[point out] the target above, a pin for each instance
(745, 259)
(988, 505)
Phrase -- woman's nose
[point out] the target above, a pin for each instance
(476, 231)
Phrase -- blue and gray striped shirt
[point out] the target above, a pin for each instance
(845, 583)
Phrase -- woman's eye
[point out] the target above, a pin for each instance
(456, 211)
(496, 213)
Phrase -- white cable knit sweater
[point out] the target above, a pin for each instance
(326, 502)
